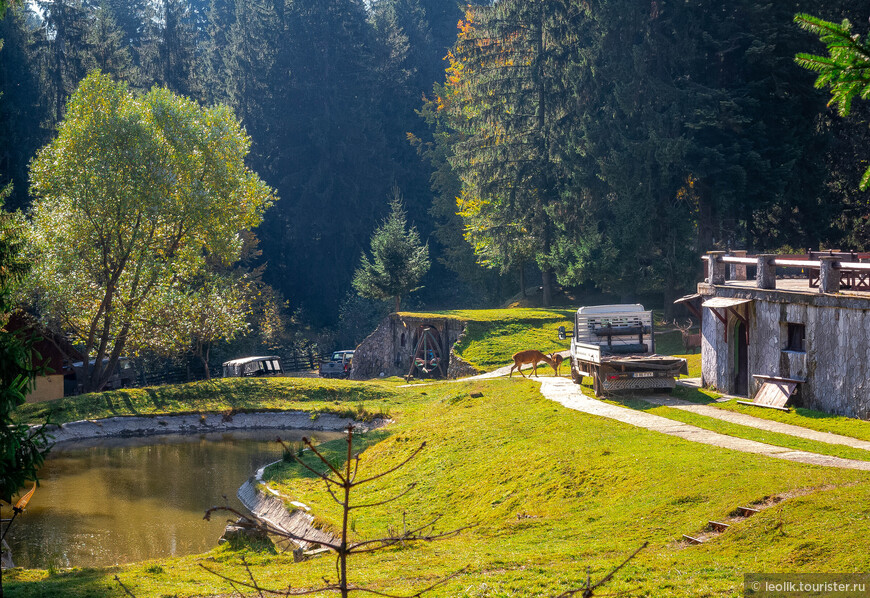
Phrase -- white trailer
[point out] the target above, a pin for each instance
(615, 346)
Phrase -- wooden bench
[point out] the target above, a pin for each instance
(774, 392)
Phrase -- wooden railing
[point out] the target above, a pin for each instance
(828, 271)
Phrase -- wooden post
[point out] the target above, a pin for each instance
(765, 275)
(738, 271)
(715, 267)
(829, 277)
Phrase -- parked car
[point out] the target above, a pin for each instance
(123, 376)
(269, 365)
(338, 366)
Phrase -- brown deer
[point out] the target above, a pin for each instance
(690, 341)
(535, 357)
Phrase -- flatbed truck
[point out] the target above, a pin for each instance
(615, 346)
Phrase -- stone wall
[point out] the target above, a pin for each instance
(389, 349)
(835, 361)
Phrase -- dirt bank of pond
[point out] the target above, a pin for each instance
(201, 423)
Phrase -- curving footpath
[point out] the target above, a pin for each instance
(565, 392)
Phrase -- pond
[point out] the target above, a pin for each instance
(125, 500)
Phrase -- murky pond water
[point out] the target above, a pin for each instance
(125, 500)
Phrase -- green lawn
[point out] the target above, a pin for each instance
(549, 492)
(492, 336)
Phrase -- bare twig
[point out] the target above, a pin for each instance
(346, 480)
(125, 588)
(355, 468)
(324, 459)
(268, 528)
(589, 590)
(419, 593)
(251, 576)
(410, 487)
(391, 470)
(255, 586)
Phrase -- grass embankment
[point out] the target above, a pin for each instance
(492, 336)
(362, 400)
(549, 491)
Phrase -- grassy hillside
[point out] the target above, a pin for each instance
(492, 336)
(549, 492)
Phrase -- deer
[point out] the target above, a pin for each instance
(535, 357)
(690, 341)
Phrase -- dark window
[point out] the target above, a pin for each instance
(796, 336)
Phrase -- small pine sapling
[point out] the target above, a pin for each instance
(340, 483)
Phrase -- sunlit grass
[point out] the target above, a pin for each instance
(549, 491)
(315, 395)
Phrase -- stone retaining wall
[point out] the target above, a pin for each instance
(389, 349)
(272, 510)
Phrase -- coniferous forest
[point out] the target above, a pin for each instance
(596, 145)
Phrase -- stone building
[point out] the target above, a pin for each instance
(421, 346)
(801, 318)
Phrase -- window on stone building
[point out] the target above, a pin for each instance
(796, 337)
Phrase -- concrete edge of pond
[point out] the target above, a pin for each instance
(130, 426)
(266, 504)
(271, 509)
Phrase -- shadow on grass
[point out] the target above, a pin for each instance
(692, 395)
(154, 396)
(125, 396)
(110, 405)
(78, 583)
(811, 414)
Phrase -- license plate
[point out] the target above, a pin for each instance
(643, 374)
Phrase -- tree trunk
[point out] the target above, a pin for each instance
(523, 279)
(398, 303)
(547, 283)
(203, 356)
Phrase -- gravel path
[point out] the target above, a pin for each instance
(567, 393)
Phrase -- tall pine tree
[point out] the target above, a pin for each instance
(507, 98)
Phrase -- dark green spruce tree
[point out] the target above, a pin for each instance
(106, 48)
(60, 54)
(508, 100)
(329, 154)
(398, 259)
(169, 49)
(21, 113)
